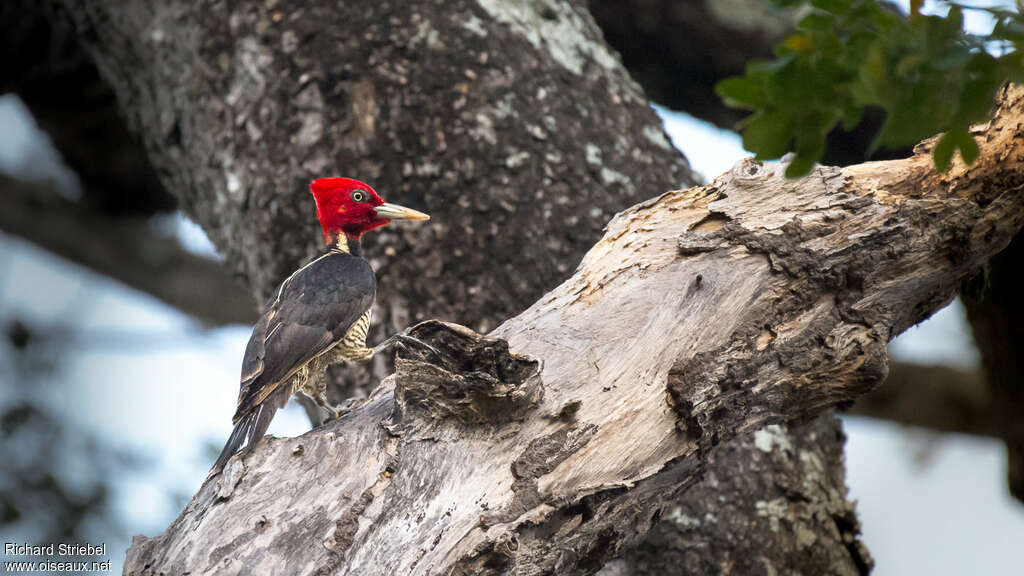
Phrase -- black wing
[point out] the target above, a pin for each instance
(313, 309)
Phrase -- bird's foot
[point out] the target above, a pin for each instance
(406, 341)
(334, 411)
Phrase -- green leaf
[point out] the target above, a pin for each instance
(978, 92)
(800, 166)
(968, 147)
(924, 71)
(943, 152)
(767, 135)
(741, 92)
(816, 22)
(851, 117)
(763, 67)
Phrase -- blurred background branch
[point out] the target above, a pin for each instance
(126, 248)
(938, 397)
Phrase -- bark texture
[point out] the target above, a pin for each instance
(553, 444)
(799, 520)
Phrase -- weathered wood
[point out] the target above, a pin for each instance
(702, 314)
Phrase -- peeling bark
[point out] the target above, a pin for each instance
(701, 316)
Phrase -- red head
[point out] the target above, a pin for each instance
(349, 206)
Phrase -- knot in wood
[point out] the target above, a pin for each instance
(467, 378)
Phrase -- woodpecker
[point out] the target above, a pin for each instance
(317, 317)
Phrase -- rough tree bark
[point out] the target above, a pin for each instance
(700, 315)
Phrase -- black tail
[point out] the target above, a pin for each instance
(234, 442)
(251, 428)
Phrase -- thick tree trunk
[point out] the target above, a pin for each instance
(701, 315)
(800, 524)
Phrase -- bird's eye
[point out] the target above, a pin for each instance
(358, 196)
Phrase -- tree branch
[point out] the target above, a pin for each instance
(124, 248)
(678, 49)
(942, 398)
(701, 315)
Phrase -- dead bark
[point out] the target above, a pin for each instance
(701, 315)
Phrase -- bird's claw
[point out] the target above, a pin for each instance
(406, 342)
(337, 410)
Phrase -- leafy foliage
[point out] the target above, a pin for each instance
(925, 71)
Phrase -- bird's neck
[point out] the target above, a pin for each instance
(347, 244)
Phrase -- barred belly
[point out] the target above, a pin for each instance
(311, 378)
(353, 345)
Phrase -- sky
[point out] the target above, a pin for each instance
(147, 378)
